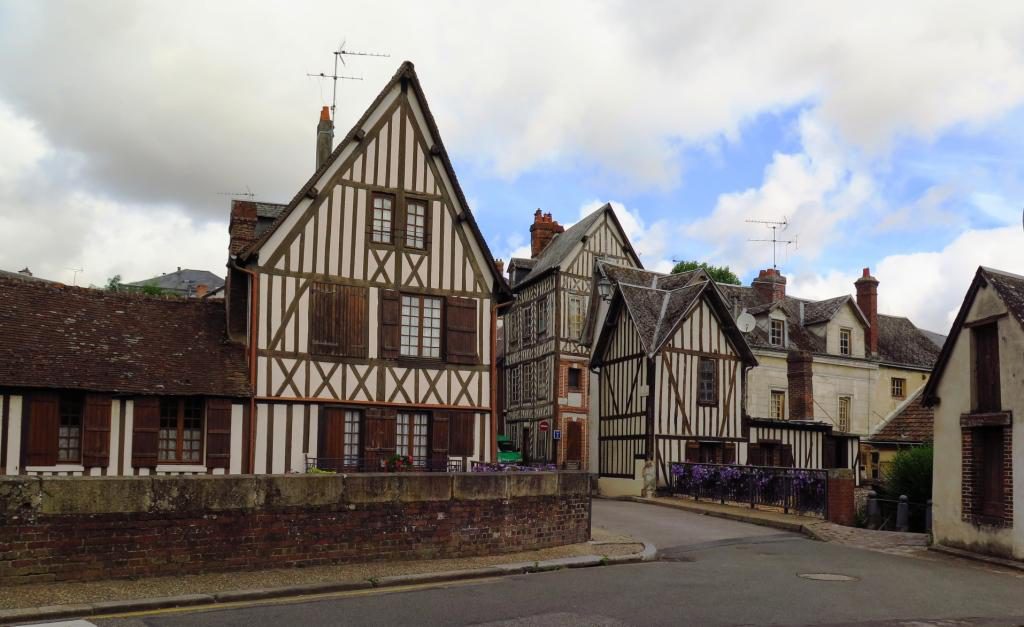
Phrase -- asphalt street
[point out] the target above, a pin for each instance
(714, 572)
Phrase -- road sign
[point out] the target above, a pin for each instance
(556, 434)
(544, 425)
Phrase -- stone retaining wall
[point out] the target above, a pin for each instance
(84, 528)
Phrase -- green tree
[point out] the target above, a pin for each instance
(114, 283)
(151, 289)
(910, 474)
(720, 274)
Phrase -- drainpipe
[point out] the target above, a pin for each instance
(494, 377)
(254, 309)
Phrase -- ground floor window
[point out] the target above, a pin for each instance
(69, 434)
(351, 443)
(412, 438)
(181, 430)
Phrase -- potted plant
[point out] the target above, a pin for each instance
(398, 463)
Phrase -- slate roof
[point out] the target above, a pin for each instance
(266, 214)
(6, 274)
(405, 75)
(910, 423)
(56, 336)
(183, 281)
(900, 342)
(937, 338)
(1010, 288)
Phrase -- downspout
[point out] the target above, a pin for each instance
(254, 309)
(494, 377)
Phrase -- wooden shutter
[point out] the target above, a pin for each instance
(828, 451)
(218, 433)
(145, 431)
(460, 331)
(355, 327)
(380, 435)
(461, 425)
(787, 456)
(730, 453)
(330, 441)
(390, 324)
(692, 451)
(988, 471)
(986, 364)
(439, 435)
(96, 430)
(324, 319)
(43, 427)
(754, 455)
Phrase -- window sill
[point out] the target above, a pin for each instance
(180, 468)
(986, 419)
(57, 468)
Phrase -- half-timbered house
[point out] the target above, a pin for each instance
(672, 369)
(367, 302)
(545, 365)
(94, 382)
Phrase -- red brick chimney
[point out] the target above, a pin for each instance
(242, 227)
(769, 285)
(542, 231)
(867, 300)
(799, 372)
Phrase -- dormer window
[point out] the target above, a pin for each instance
(844, 341)
(778, 332)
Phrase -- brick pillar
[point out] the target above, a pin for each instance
(769, 285)
(242, 227)
(841, 506)
(800, 372)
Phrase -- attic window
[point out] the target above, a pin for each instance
(778, 332)
(899, 387)
(844, 341)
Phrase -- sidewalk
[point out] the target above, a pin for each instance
(76, 599)
(885, 541)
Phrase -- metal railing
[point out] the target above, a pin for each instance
(801, 490)
(364, 464)
(512, 467)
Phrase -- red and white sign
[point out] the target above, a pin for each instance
(544, 425)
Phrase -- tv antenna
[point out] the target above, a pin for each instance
(74, 276)
(248, 193)
(339, 57)
(775, 226)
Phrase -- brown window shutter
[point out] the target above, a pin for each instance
(324, 323)
(380, 435)
(730, 453)
(460, 331)
(390, 324)
(96, 430)
(754, 456)
(787, 456)
(461, 439)
(355, 328)
(331, 436)
(145, 431)
(986, 354)
(218, 433)
(692, 451)
(439, 432)
(43, 426)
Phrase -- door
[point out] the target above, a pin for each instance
(574, 443)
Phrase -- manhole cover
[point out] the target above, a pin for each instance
(826, 577)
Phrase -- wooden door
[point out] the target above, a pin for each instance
(331, 439)
(574, 442)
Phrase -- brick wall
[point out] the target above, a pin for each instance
(968, 472)
(799, 374)
(75, 529)
(841, 502)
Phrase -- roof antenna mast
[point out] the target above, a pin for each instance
(775, 226)
(339, 56)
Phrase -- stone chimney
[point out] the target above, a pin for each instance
(799, 373)
(542, 231)
(242, 227)
(499, 264)
(324, 137)
(769, 285)
(867, 300)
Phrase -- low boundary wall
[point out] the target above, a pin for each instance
(85, 528)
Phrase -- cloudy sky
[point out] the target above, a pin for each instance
(887, 134)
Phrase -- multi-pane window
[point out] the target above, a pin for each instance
(778, 332)
(541, 317)
(576, 313)
(69, 437)
(541, 374)
(351, 444)
(899, 387)
(411, 437)
(844, 341)
(415, 224)
(528, 392)
(707, 391)
(527, 330)
(778, 406)
(844, 413)
(575, 377)
(181, 430)
(421, 326)
(383, 206)
(514, 385)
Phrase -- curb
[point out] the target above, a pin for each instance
(54, 612)
(977, 557)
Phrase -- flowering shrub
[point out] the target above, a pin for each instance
(398, 463)
(496, 467)
(803, 490)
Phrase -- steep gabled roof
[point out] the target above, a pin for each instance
(1009, 287)
(558, 251)
(816, 312)
(406, 73)
(60, 337)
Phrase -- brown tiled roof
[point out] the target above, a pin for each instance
(55, 336)
(911, 423)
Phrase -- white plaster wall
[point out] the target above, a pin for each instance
(845, 318)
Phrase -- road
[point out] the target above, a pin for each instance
(715, 572)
